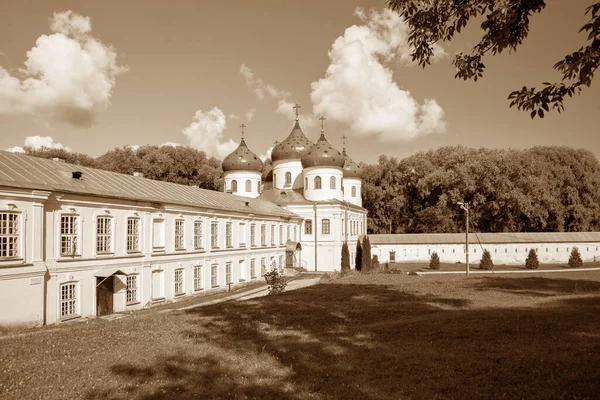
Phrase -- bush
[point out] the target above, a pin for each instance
(375, 263)
(386, 267)
(434, 262)
(366, 254)
(358, 259)
(532, 260)
(345, 258)
(486, 261)
(575, 260)
(275, 282)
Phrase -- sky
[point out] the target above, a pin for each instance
(94, 75)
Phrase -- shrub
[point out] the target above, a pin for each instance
(434, 262)
(275, 282)
(386, 267)
(575, 260)
(345, 258)
(375, 263)
(486, 261)
(532, 260)
(366, 254)
(358, 259)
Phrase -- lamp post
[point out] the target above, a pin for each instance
(465, 206)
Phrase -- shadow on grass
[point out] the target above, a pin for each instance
(538, 286)
(373, 342)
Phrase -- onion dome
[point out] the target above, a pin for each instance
(322, 154)
(294, 146)
(351, 169)
(242, 159)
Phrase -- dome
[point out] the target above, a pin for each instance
(322, 154)
(294, 146)
(242, 159)
(351, 169)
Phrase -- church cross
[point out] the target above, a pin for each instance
(322, 123)
(243, 133)
(296, 107)
(344, 143)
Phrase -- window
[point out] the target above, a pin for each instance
(253, 235)
(179, 237)
(332, 182)
(343, 226)
(229, 234)
(308, 227)
(68, 300)
(234, 186)
(263, 235)
(178, 282)
(263, 266)
(133, 235)
(281, 240)
(275, 179)
(305, 183)
(252, 268)
(214, 235)
(287, 233)
(103, 234)
(353, 191)
(248, 185)
(258, 187)
(69, 232)
(214, 269)
(242, 235)
(272, 235)
(325, 227)
(9, 235)
(197, 277)
(158, 234)
(317, 182)
(392, 256)
(295, 233)
(198, 234)
(228, 272)
(132, 289)
(288, 178)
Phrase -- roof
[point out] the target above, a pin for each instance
(322, 154)
(242, 159)
(351, 169)
(284, 197)
(28, 172)
(293, 146)
(488, 238)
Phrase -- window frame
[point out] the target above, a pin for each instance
(16, 235)
(325, 226)
(73, 235)
(308, 227)
(253, 235)
(228, 275)
(253, 268)
(214, 234)
(71, 302)
(248, 186)
(132, 290)
(288, 179)
(332, 184)
(263, 235)
(353, 191)
(161, 246)
(214, 275)
(229, 234)
(234, 186)
(179, 234)
(198, 278)
(318, 182)
(179, 282)
(198, 236)
(133, 236)
(108, 236)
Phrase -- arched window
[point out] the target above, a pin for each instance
(305, 183)
(353, 191)
(288, 178)
(258, 186)
(317, 182)
(332, 182)
(248, 186)
(274, 179)
(234, 186)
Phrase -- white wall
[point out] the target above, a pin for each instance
(294, 167)
(326, 192)
(349, 183)
(241, 177)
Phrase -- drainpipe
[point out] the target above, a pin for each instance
(316, 231)
(346, 226)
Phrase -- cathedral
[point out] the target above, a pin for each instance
(312, 180)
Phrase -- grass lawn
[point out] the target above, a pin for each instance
(373, 336)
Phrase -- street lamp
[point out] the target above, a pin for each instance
(465, 206)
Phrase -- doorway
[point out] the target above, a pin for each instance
(104, 296)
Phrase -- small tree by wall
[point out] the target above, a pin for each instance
(375, 263)
(358, 259)
(345, 257)
(532, 260)
(434, 261)
(575, 260)
(366, 254)
(486, 260)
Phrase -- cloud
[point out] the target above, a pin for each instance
(133, 147)
(68, 76)
(359, 90)
(170, 144)
(250, 114)
(38, 142)
(267, 154)
(264, 90)
(233, 116)
(206, 133)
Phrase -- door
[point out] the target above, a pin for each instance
(104, 296)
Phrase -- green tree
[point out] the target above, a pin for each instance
(532, 260)
(358, 256)
(366, 254)
(434, 261)
(486, 261)
(505, 25)
(575, 260)
(345, 258)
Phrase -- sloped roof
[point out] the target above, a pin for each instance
(488, 238)
(287, 196)
(22, 171)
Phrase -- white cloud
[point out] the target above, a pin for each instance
(68, 76)
(38, 142)
(359, 89)
(267, 154)
(233, 116)
(250, 114)
(134, 147)
(262, 90)
(206, 133)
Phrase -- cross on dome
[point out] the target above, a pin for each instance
(344, 143)
(243, 132)
(297, 107)
(322, 123)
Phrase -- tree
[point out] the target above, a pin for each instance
(532, 260)
(345, 258)
(358, 259)
(375, 263)
(505, 26)
(486, 260)
(366, 254)
(575, 260)
(434, 261)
